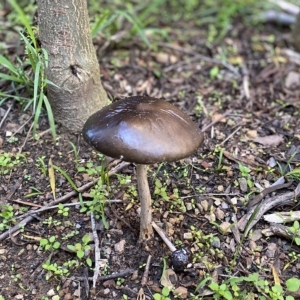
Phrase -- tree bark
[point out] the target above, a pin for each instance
(65, 34)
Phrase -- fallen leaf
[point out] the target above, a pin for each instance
(51, 177)
(270, 140)
(169, 279)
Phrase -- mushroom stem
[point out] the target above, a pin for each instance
(146, 231)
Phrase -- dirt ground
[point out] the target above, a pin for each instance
(244, 153)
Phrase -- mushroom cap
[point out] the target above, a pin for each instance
(143, 130)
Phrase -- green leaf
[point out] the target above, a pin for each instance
(293, 284)
(80, 254)
(86, 239)
(71, 247)
(89, 262)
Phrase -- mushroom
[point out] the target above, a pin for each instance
(143, 130)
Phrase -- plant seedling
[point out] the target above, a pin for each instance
(49, 244)
(81, 248)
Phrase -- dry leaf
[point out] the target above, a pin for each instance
(51, 177)
(275, 276)
(169, 279)
(141, 295)
(270, 140)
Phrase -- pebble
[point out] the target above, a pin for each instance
(119, 247)
(211, 217)
(219, 214)
(217, 202)
(256, 235)
(252, 245)
(224, 205)
(224, 227)
(204, 205)
(51, 293)
(188, 236)
(220, 188)
(243, 184)
(3, 251)
(272, 247)
(216, 242)
(234, 200)
(189, 206)
(181, 292)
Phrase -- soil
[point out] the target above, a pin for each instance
(244, 153)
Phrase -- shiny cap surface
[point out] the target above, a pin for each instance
(143, 130)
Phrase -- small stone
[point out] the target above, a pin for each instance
(219, 214)
(68, 296)
(188, 236)
(217, 202)
(134, 275)
(109, 283)
(243, 184)
(181, 292)
(220, 188)
(1, 142)
(216, 242)
(234, 200)
(224, 205)
(3, 251)
(211, 217)
(256, 235)
(224, 227)
(252, 245)
(272, 247)
(51, 293)
(188, 206)
(204, 204)
(119, 247)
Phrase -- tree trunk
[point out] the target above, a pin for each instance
(65, 34)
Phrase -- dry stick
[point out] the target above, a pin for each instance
(26, 139)
(33, 212)
(201, 57)
(230, 135)
(5, 116)
(107, 277)
(97, 250)
(164, 237)
(28, 219)
(146, 272)
(285, 199)
(280, 230)
(205, 128)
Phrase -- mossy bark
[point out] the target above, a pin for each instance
(64, 32)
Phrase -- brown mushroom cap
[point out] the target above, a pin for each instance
(143, 130)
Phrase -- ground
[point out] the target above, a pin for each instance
(251, 104)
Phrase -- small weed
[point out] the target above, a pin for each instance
(295, 229)
(8, 161)
(75, 153)
(55, 270)
(165, 293)
(50, 221)
(62, 210)
(49, 244)
(81, 248)
(34, 192)
(120, 281)
(245, 172)
(41, 165)
(70, 235)
(6, 216)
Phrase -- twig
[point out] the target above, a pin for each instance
(26, 203)
(26, 139)
(280, 230)
(267, 191)
(6, 114)
(205, 128)
(146, 272)
(201, 57)
(107, 277)
(45, 208)
(285, 199)
(28, 219)
(164, 237)
(97, 250)
(230, 135)
(283, 217)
